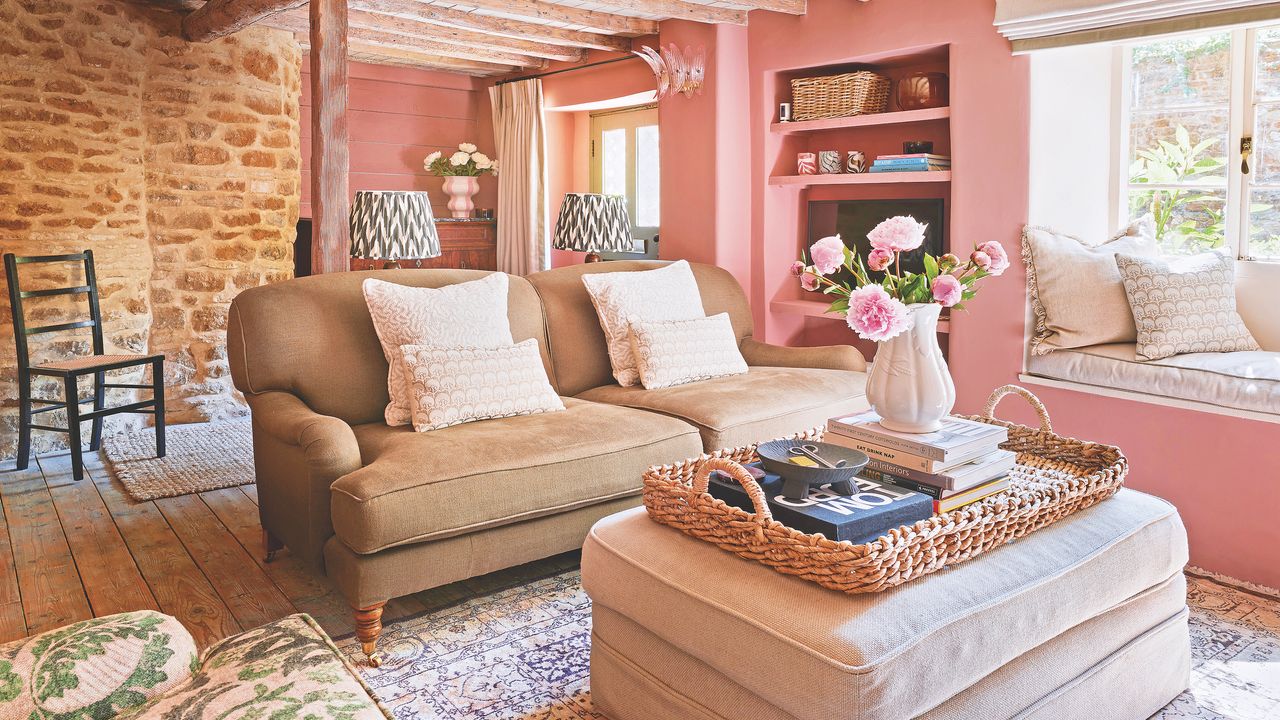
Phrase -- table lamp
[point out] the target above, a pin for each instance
(593, 223)
(393, 225)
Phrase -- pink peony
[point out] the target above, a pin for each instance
(947, 290)
(999, 259)
(797, 268)
(809, 280)
(827, 254)
(879, 259)
(874, 315)
(948, 262)
(981, 259)
(901, 233)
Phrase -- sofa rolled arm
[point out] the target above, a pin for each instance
(298, 454)
(831, 357)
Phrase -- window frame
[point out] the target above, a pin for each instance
(629, 119)
(1242, 122)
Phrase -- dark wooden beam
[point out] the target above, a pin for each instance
(217, 18)
(330, 156)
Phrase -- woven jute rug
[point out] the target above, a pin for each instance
(524, 654)
(199, 457)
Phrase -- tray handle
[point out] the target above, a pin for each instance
(1005, 390)
(702, 479)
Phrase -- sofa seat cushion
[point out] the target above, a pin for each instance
(894, 654)
(423, 486)
(762, 404)
(1244, 380)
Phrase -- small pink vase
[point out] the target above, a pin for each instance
(460, 189)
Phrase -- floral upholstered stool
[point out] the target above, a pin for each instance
(1080, 620)
(145, 665)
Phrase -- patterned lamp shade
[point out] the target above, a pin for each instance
(393, 225)
(593, 223)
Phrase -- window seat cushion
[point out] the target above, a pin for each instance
(1246, 380)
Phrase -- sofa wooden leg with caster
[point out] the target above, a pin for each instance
(368, 628)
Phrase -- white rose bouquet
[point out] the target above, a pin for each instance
(467, 161)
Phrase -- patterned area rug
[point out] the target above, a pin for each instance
(198, 457)
(522, 654)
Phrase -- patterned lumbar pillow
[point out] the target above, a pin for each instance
(472, 314)
(1184, 305)
(1076, 293)
(675, 352)
(451, 386)
(621, 298)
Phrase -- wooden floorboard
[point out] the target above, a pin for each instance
(13, 624)
(247, 591)
(176, 582)
(111, 579)
(52, 595)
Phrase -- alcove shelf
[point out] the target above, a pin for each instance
(887, 118)
(868, 178)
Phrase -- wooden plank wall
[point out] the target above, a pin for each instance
(396, 116)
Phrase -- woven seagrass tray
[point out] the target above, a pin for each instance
(1055, 476)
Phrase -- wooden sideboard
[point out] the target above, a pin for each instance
(464, 244)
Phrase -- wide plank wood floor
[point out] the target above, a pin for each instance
(74, 550)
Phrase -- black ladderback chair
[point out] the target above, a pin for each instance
(70, 371)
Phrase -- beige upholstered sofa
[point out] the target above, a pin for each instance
(388, 512)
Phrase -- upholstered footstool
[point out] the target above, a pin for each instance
(1084, 619)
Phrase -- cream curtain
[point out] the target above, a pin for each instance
(1039, 24)
(519, 131)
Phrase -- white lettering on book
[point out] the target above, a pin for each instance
(871, 494)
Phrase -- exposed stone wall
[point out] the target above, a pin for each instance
(175, 162)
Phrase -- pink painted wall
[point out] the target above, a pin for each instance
(396, 117)
(1219, 471)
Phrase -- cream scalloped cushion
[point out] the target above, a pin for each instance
(451, 386)
(468, 314)
(675, 352)
(1075, 289)
(1184, 305)
(621, 298)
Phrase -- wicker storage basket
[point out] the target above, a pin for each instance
(833, 96)
(1055, 476)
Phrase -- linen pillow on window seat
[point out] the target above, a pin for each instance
(621, 298)
(1076, 293)
(472, 313)
(455, 385)
(675, 352)
(1184, 305)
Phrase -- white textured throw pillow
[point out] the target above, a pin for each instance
(1184, 305)
(675, 352)
(451, 386)
(621, 298)
(1076, 293)
(469, 314)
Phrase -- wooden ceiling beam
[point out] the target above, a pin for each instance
(218, 18)
(790, 7)
(397, 56)
(382, 38)
(681, 10)
(493, 25)
(550, 12)
(466, 38)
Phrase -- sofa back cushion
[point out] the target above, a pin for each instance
(579, 353)
(313, 337)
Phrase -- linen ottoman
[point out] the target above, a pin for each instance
(1085, 619)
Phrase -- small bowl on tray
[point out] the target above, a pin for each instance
(797, 479)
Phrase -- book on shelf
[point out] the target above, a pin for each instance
(906, 168)
(903, 458)
(956, 437)
(970, 496)
(942, 485)
(913, 160)
(914, 156)
(873, 510)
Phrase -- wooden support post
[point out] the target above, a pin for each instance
(330, 157)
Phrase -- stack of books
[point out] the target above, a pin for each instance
(959, 464)
(915, 162)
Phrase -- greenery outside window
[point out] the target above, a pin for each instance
(1186, 105)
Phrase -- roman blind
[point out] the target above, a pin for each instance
(1040, 24)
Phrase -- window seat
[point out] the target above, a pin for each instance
(1238, 380)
